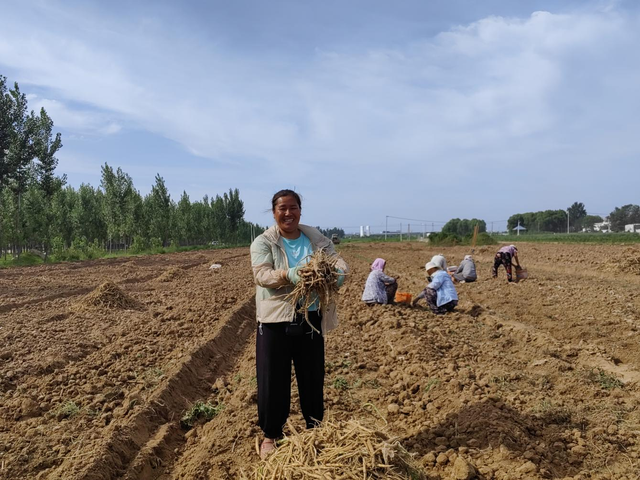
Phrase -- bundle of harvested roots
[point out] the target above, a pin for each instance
(318, 281)
(339, 450)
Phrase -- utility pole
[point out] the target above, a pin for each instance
(567, 220)
(409, 231)
(400, 231)
(386, 227)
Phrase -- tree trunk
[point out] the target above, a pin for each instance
(17, 229)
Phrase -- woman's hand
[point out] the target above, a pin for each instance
(292, 275)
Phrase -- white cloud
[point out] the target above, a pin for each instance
(545, 91)
(79, 121)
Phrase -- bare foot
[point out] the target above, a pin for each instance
(268, 446)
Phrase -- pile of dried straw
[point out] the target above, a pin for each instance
(342, 450)
(108, 295)
(172, 273)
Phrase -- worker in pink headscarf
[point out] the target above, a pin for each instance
(380, 288)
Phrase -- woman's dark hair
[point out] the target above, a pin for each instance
(285, 193)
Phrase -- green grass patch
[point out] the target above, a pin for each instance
(603, 379)
(77, 255)
(595, 238)
(431, 384)
(25, 260)
(341, 383)
(67, 410)
(200, 411)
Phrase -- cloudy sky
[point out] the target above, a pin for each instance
(427, 110)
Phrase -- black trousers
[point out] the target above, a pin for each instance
(277, 345)
(432, 300)
(391, 290)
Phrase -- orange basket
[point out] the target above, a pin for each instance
(402, 297)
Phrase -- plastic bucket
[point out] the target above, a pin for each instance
(521, 274)
(403, 297)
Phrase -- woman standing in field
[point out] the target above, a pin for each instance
(283, 334)
(505, 256)
(380, 288)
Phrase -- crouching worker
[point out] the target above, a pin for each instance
(440, 294)
(466, 271)
(380, 288)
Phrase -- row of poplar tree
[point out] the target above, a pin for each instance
(39, 211)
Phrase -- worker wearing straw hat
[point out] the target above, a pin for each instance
(440, 294)
(283, 334)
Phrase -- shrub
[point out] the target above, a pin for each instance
(442, 239)
(139, 244)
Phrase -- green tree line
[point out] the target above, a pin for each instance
(328, 232)
(39, 211)
(463, 227)
(556, 220)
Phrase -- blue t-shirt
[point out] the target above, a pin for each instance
(299, 252)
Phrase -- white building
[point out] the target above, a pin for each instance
(632, 227)
(602, 227)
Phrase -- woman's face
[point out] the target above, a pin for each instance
(287, 215)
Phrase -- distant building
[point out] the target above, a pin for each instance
(602, 227)
(632, 227)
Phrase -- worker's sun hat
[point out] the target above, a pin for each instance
(431, 265)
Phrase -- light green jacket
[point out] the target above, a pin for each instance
(269, 260)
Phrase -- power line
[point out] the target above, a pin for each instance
(416, 219)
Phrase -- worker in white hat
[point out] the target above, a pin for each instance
(440, 294)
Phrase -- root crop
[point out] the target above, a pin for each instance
(318, 281)
(339, 450)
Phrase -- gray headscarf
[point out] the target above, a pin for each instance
(439, 261)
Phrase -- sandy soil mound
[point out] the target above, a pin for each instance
(626, 262)
(340, 450)
(171, 274)
(107, 296)
(630, 263)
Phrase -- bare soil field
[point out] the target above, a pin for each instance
(531, 380)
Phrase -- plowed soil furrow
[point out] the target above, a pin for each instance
(537, 380)
(71, 380)
(131, 448)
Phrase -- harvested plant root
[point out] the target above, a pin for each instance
(318, 280)
(339, 450)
